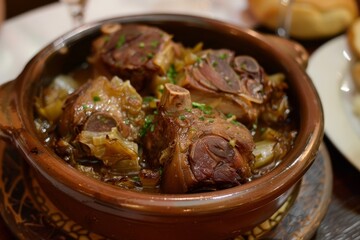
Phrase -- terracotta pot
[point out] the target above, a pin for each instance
(124, 214)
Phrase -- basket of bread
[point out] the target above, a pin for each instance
(310, 19)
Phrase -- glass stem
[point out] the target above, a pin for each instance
(76, 9)
(77, 13)
(285, 15)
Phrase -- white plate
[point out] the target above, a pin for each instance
(330, 69)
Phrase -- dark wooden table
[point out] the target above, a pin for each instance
(342, 220)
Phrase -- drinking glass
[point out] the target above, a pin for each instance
(76, 9)
(285, 15)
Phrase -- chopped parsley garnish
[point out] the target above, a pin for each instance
(150, 55)
(182, 117)
(235, 122)
(203, 107)
(229, 115)
(211, 120)
(106, 38)
(96, 98)
(149, 99)
(161, 88)
(171, 74)
(120, 41)
(148, 125)
(223, 56)
(136, 178)
(154, 43)
(199, 60)
(141, 45)
(143, 59)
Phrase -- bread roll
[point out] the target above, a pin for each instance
(310, 18)
(353, 37)
(355, 72)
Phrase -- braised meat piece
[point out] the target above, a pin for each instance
(230, 84)
(101, 120)
(134, 52)
(145, 113)
(198, 148)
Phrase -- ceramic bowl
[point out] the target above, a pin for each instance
(123, 214)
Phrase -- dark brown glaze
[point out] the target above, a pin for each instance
(110, 111)
(228, 83)
(198, 150)
(117, 102)
(134, 52)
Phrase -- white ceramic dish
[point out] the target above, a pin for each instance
(330, 69)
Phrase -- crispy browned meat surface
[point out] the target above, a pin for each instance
(135, 53)
(228, 83)
(198, 148)
(102, 119)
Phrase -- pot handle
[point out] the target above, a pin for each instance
(292, 48)
(9, 119)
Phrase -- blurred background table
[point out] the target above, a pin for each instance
(342, 221)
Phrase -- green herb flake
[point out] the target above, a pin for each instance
(203, 107)
(229, 115)
(149, 119)
(106, 39)
(171, 74)
(161, 88)
(182, 117)
(120, 41)
(150, 55)
(136, 178)
(102, 119)
(210, 120)
(148, 99)
(223, 56)
(148, 125)
(202, 118)
(143, 59)
(96, 98)
(141, 45)
(152, 127)
(154, 43)
(199, 60)
(235, 122)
